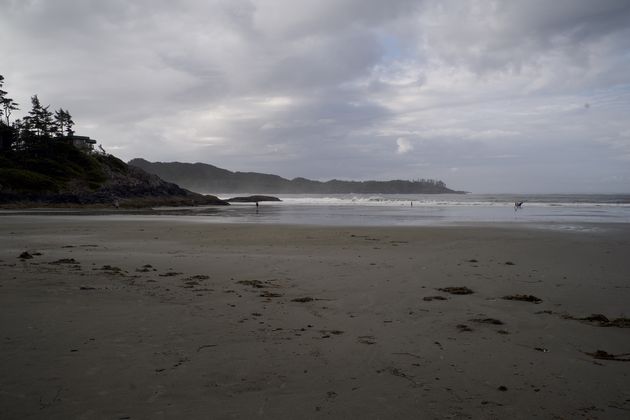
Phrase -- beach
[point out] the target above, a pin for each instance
(162, 319)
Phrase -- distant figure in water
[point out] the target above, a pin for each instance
(256, 206)
(518, 205)
(412, 204)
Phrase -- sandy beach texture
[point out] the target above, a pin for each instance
(177, 320)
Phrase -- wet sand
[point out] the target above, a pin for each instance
(161, 320)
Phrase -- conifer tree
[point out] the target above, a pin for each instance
(39, 125)
(63, 122)
(69, 123)
(8, 104)
(2, 92)
(8, 134)
(40, 118)
(60, 122)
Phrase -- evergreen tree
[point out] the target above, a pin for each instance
(8, 104)
(69, 123)
(18, 137)
(60, 121)
(8, 134)
(40, 118)
(2, 92)
(32, 121)
(34, 129)
(63, 122)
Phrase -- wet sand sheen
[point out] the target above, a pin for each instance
(181, 320)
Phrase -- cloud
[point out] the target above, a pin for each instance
(404, 146)
(325, 88)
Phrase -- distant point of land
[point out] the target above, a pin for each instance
(204, 177)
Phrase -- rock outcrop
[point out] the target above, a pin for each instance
(64, 176)
(252, 199)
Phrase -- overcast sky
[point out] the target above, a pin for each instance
(488, 96)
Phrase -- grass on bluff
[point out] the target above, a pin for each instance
(50, 166)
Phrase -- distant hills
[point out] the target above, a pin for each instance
(201, 177)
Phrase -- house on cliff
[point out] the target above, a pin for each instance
(83, 143)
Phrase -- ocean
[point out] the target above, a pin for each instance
(557, 211)
(428, 209)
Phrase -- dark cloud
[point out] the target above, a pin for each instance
(487, 95)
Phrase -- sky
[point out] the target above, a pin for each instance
(528, 96)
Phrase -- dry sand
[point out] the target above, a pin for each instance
(169, 320)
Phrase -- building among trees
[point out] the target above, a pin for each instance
(83, 143)
(38, 128)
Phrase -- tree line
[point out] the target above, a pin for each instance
(41, 124)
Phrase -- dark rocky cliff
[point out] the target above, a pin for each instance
(59, 174)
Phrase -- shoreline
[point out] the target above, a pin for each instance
(570, 210)
(250, 217)
(154, 319)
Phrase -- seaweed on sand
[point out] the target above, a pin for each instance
(523, 298)
(604, 355)
(456, 290)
